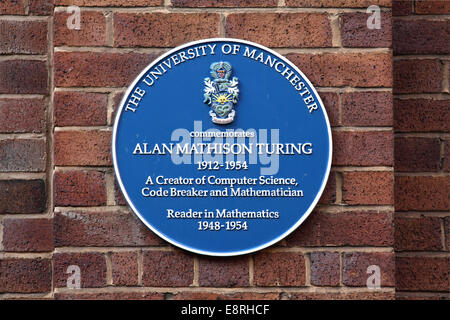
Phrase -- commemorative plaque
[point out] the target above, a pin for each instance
(222, 147)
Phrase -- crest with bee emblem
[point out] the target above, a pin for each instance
(221, 93)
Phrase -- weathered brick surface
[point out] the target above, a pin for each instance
(126, 295)
(82, 148)
(208, 295)
(417, 76)
(421, 193)
(331, 102)
(447, 232)
(28, 235)
(329, 193)
(92, 269)
(355, 33)
(79, 108)
(337, 3)
(224, 3)
(432, 7)
(367, 109)
(27, 155)
(422, 273)
(109, 3)
(286, 269)
(418, 234)
(167, 268)
(373, 295)
(365, 187)
(101, 229)
(417, 154)
(92, 30)
(40, 7)
(79, 188)
(12, 7)
(23, 76)
(325, 268)
(23, 37)
(162, 29)
(355, 264)
(359, 228)
(22, 115)
(447, 156)
(296, 30)
(224, 272)
(346, 69)
(124, 268)
(25, 275)
(402, 7)
(22, 196)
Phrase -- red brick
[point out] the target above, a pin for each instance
(23, 37)
(418, 234)
(80, 108)
(325, 268)
(447, 232)
(224, 272)
(25, 275)
(22, 155)
(421, 37)
(168, 269)
(22, 196)
(117, 98)
(163, 29)
(12, 7)
(355, 264)
(224, 3)
(124, 268)
(337, 3)
(28, 235)
(118, 195)
(355, 33)
(432, 7)
(83, 148)
(88, 69)
(22, 115)
(422, 273)
(329, 194)
(92, 30)
(421, 115)
(126, 295)
(291, 30)
(367, 109)
(370, 295)
(92, 269)
(447, 155)
(353, 228)
(23, 76)
(286, 269)
(402, 7)
(101, 229)
(417, 154)
(363, 148)
(109, 3)
(79, 188)
(346, 69)
(421, 193)
(40, 7)
(331, 103)
(417, 76)
(363, 187)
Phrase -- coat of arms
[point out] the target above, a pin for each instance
(221, 94)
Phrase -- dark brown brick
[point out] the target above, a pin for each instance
(224, 272)
(417, 76)
(325, 268)
(22, 196)
(329, 194)
(79, 188)
(421, 193)
(124, 268)
(285, 269)
(432, 7)
(101, 229)
(23, 37)
(402, 7)
(25, 275)
(80, 108)
(418, 234)
(224, 3)
(447, 232)
(168, 269)
(370, 188)
(355, 33)
(92, 269)
(82, 148)
(40, 7)
(369, 295)
(208, 295)
(23, 76)
(355, 264)
(28, 235)
(414, 154)
(12, 7)
(27, 155)
(126, 295)
(446, 156)
(152, 29)
(109, 3)
(22, 115)
(291, 30)
(367, 109)
(422, 273)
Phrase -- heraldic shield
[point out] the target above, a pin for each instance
(221, 94)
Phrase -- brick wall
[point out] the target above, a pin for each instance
(60, 205)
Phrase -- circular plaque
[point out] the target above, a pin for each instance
(222, 147)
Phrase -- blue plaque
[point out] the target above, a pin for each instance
(222, 147)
